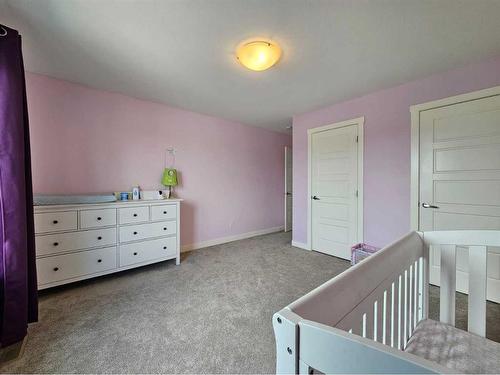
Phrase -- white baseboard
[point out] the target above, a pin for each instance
(300, 245)
(219, 241)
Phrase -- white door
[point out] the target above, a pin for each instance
(460, 179)
(334, 186)
(288, 189)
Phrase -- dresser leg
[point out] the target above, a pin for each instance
(178, 260)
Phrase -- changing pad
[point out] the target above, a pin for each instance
(44, 200)
(454, 348)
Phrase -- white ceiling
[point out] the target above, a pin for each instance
(181, 52)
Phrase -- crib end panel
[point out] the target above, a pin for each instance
(286, 331)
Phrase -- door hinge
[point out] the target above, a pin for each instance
(357, 138)
(357, 193)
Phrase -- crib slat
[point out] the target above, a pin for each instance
(416, 274)
(448, 284)
(369, 323)
(425, 282)
(408, 286)
(421, 280)
(405, 308)
(382, 318)
(477, 289)
(363, 331)
(399, 305)
(410, 302)
(357, 327)
(393, 309)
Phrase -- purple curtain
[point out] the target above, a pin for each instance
(18, 290)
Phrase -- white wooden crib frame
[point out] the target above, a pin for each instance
(361, 320)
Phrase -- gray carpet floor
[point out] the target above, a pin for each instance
(211, 314)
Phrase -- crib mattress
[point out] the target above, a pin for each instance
(454, 348)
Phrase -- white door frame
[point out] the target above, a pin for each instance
(360, 122)
(415, 142)
(286, 229)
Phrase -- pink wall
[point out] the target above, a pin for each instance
(89, 141)
(386, 148)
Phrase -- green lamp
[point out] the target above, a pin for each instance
(169, 179)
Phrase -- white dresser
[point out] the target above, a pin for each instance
(76, 242)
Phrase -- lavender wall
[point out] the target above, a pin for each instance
(386, 148)
(86, 141)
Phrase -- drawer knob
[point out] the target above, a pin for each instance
(135, 233)
(135, 215)
(164, 228)
(56, 243)
(56, 269)
(135, 253)
(99, 260)
(99, 218)
(164, 248)
(99, 238)
(164, 212)
(55, 222)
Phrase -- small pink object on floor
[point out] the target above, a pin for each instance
(361, 251)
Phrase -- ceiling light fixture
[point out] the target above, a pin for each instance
(258, 55)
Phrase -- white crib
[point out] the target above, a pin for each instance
(373, 318)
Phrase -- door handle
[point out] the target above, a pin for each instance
(315, 198)
(288, 193)
(427, 205)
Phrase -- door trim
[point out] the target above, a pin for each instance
(359, 122)
(286, 228)
(415, 141)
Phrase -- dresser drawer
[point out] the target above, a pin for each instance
(97, 218)
(164, 212)
(143, 231)
(62, 267)
(55, 221)
(55, 243)
(132, 215)
(148, 250)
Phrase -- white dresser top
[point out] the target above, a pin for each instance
(117, 204)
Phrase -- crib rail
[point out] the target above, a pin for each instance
(330, 350)
(477, 243)
(349, 290)
(391, 312)
(381, 300)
